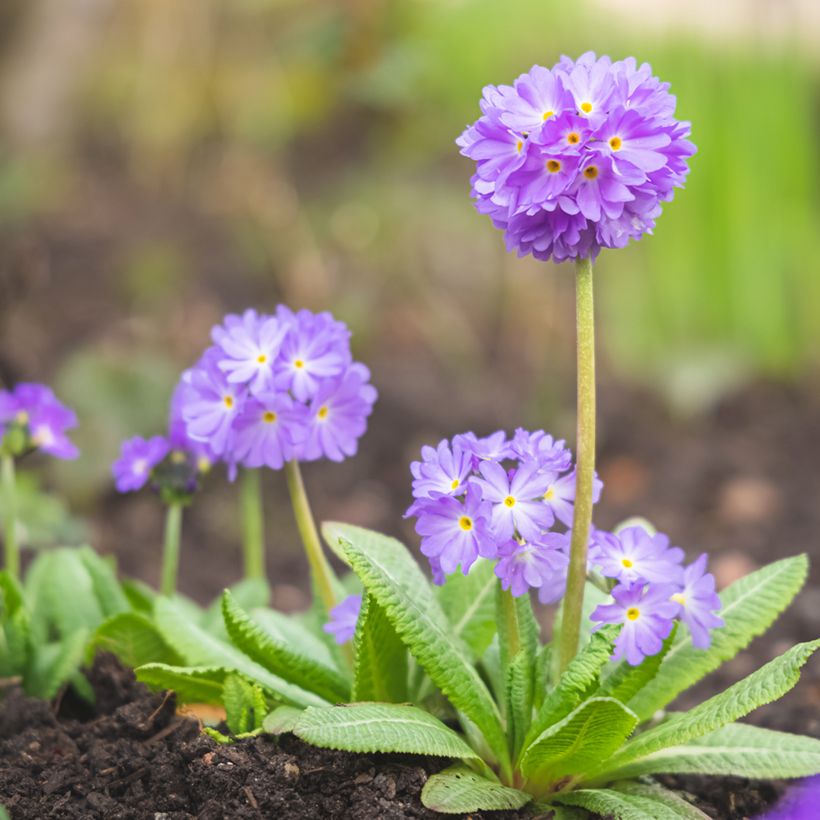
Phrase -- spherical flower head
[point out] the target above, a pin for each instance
(36, 411)
(343, 617)
(138, 458)
(576, 158)
(698, 602)
(336, 416)
(268, 430)
(454, 532)
(647, 614)
(534, 564)
(248, 346)
(442, 470)
(633, 555)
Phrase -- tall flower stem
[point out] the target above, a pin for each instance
(253, 524)
(12, 550)
(170, 552)
(323, 575)
(585, 465)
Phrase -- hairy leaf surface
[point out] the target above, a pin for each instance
(380, 667)
(626, 806)
(459, 789)
(469, 603)
(192, 684)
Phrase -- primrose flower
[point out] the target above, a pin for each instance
(635, 555)
(698, 601)
(442, 470)
(542, 448)
(537, 564)
(494, 447)
(267, 430)
(138, 458)
(343, 617)
(40, 418)
(647, 614)
(576, 158)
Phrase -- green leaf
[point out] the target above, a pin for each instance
(622, 806)
(134, 639)
(381, 727)
(736, 749)
(282, 719)
(279, 657)
(459, 789)
(518, 699)
(380, 667)
(589, 734)
(750, 606)
(287, 629)
(579, 679)
(393, 578)
(468, 602)
(53, 664)
(103, 574)
(198, 648)
(245, 706)
(192, 684)
(249, 593)
(140, 596)
(763, 686)
(669, 799)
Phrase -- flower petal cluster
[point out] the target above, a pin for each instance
(499, 498)
(274, 388)
(138, 459)
(343, 617)
(33, 418)
(652, 589)
(577, 158)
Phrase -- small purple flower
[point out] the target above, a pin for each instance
(494, 447)
(267, 430)
(456, 533)
(635, 555)
(337, 416)
(698, 601)
(442, 470)
(647, 615)
(248, 347)
(516, 500)
(559, 495)
(343, 617)
(138, 457)
(199, 451)
(542, 448)
(535, 564)
(36, 407)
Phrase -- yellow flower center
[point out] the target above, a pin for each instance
(509, 501)
(591, 172)
(615, 143)
(626, 563)
(22, 417)
(203, 465)
(228, 402)
(633, 613)
(178, 457)
(261, 358)
(322, 412)
(573, 138)
(549, 494)
(465, 522)
(547, 115)
(454, 484)
(518, 146)
(586, 107)
(679, 598)
(553, 166)
(269, 417)
(298, 363)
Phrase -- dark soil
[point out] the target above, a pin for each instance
(135, 757)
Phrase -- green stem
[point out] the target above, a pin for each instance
(253, 524)
(12, 550)
(512, 628)
(585, 465)
(323, 576)
(170, 553)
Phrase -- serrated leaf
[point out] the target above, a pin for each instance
(763, 686)
(621, 806)
(579, 679)
(281, 720)
(459, 789)
(736, 749)
(103, 574)
(381, 727)
(52, 664)
(245, 707)
(380, 658)
(134, 639)
(672, 801)
(288, 630)
(468, 602)
(393, 578)
(280, 658)
(519, 700)
(198, 648)
(750, 606)
(192, 684)
(249, 593)
(589, 734)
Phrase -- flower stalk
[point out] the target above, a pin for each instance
(324, 578)
(585, 465)
(170, 553)
(12, 549)
(253, 524)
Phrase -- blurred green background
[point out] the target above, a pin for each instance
(162, 162)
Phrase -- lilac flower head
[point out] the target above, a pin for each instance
(343, 617)
(40, 418)
(698, 601)
(578, 157)
(633, 555)
(538, 564)
(267, 431)
(138, 458)
(442, 470)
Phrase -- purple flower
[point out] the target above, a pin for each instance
(442, 470)
(576, 158)
(337, 416)
(456, 533)
(647, 615)
(559, 495)
(46, 419)
(199, 451)
(494, 447)
(138, 457)
(535, 564)
(248, 347)
(697, 601)
(515, 499)
(635, 555)
(343, 617)
(541, 448)
(267, 430)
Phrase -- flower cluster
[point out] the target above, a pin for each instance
(275, 388)
(505, 499)
(33, 418)
(577, 158)
(652, 590)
